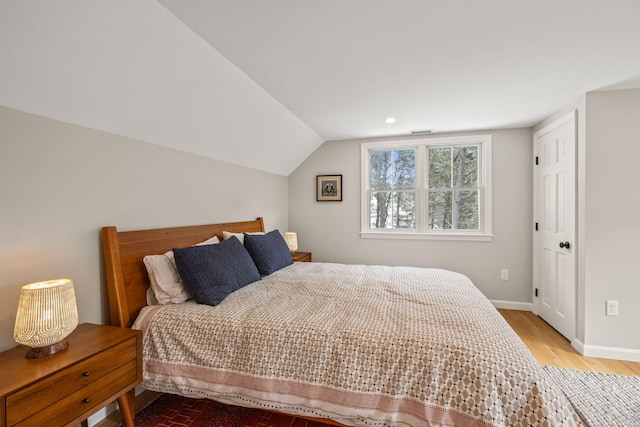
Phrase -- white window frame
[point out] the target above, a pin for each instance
(421, 231)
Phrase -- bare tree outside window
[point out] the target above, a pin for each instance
(393, 188)
(431, 188)
(453, 188)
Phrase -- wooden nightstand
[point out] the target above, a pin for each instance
(102, 364)
(301, 256)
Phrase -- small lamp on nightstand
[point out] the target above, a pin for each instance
(292, 241)
(47, 314)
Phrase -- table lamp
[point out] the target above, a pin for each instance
(47, 314)
(292, 241)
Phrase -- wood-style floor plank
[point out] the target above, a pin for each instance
(552, 349)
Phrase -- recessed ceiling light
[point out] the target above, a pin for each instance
(390, 120)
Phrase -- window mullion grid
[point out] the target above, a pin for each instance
(392, 189)
(453, 189)
(422, 177)
(395, 192)
(480, 183)
(422, 190)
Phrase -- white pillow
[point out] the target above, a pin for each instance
(165, 281)
(151, 297)
(227, 235)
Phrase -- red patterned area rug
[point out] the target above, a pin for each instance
(177, 411)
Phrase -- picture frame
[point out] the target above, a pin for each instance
(329, 188)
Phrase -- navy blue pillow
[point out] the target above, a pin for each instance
(269, 251)
(211, 272)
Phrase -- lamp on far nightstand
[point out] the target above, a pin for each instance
(47, 314)
(292, 241)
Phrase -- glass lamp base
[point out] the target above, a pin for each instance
(36, 352)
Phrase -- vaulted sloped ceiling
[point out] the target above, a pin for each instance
(264, 83)
(133, 69)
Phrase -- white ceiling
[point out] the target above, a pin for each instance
(263, 83)
(344, 66)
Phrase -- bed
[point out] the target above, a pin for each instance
(353, 345)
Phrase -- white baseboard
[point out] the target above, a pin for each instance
(513, 305)
(616, 353)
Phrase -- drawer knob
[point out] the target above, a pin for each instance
(86, 400)
(86, 374)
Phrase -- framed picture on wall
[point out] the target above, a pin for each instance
(329, 188)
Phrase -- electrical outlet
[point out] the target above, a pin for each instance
(612, 308)
(504, 274)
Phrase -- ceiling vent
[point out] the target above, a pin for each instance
(421, 132)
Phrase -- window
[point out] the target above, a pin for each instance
(432, 188)
(393, 188)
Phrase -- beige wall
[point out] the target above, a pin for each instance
(331, 229)
(60, 183)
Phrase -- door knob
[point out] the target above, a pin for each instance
(565, 245)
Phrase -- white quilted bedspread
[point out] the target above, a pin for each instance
(362, 345)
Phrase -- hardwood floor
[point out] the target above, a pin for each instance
(552, 349)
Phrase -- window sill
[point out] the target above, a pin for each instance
(470, 237)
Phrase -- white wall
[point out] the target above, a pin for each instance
(60, 183)
(612, 255)
(331, 229)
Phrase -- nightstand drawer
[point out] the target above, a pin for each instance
(85, 399)
(49, 391)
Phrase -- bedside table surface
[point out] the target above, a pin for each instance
(85, 341)
(101, 364)
(301, 256)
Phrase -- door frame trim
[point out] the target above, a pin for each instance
(570, 117)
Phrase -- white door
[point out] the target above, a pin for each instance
(554, 251)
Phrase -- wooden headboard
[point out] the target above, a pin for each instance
(127, 280)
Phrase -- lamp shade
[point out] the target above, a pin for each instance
(47, 314)
(292, 241)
